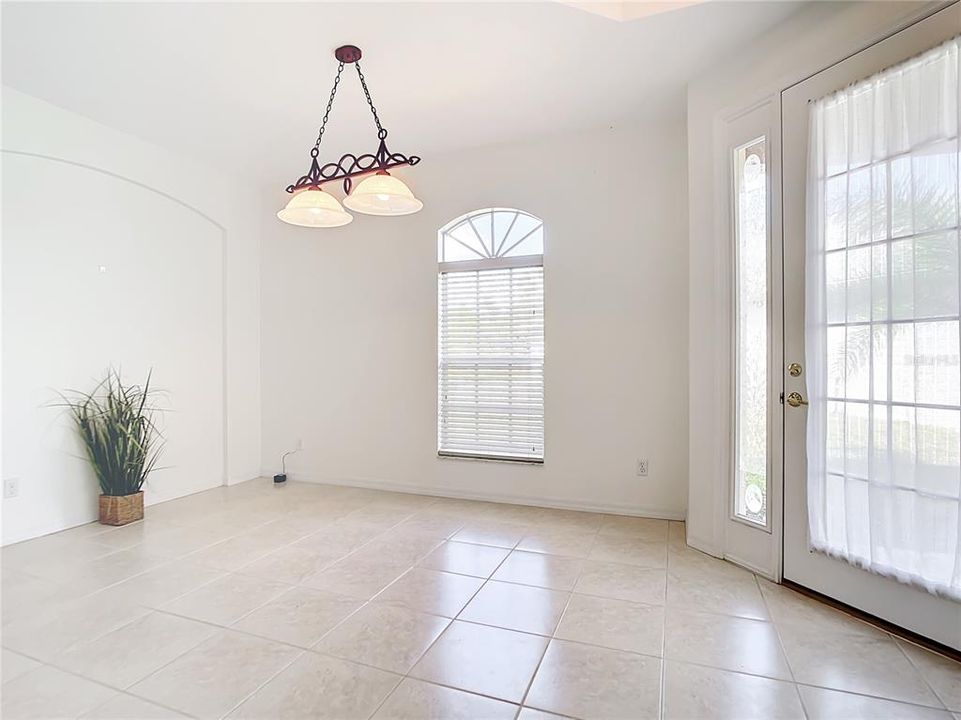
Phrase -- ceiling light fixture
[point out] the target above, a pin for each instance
(380, 193)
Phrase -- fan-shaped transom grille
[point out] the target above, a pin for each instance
(489, 234)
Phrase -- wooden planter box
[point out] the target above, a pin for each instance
(121, 509)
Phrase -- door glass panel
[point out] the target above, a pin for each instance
(752, 341)
(882, 310)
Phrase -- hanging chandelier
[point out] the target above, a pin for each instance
(378, 193)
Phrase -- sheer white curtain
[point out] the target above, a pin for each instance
(882, 312)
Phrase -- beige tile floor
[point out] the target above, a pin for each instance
(312, 601)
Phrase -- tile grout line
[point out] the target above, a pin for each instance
(221, 628)
(922, 675)
(287, 589)
(869, 696)
(285, 516)
(550, 640)
(169, 560)
(781, 646)
(257, 689)
(237, 571)
(163, 607)
(116, 690)
(407, 675)
(377, 594)
(367, 603)
(463, 607)
(777, 629)
(297, 656)
(126, 688)
(129, 688)
(447, 627)
(891, 636)
(662, 698)
(387, 697)
(124, 693)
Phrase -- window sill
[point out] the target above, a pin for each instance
(491, 458)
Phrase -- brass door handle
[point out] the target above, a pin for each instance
(795, 399)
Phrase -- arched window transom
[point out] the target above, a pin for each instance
(492, 234)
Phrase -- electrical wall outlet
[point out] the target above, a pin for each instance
(300, 443)
(11, 487)
(642, 467)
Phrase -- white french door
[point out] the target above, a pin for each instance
(874, 330)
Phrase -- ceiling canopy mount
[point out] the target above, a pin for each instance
(348, 53)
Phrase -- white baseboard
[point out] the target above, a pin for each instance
(581, 505)
(753, 567)
(704, 546)
(53, 528)
(709, 549)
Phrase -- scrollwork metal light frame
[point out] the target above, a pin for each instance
(350, 166)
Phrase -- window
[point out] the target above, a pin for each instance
(751, 346)
(490, 365)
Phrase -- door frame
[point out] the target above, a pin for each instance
(708, 530)
(903, 605)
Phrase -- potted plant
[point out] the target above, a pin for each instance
(116, 425)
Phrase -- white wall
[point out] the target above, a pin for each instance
(349, 327)
(179, 294)
(817, 36)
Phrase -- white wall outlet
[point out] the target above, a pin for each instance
(642, 468)
(11, 487)
(300, 443)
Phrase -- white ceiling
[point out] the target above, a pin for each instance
(627, 10)
(245, 84)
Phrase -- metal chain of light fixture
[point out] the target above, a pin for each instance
(330, 104)
(381, 133)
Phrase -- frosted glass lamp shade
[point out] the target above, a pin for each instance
(382, 194)
(314, 208)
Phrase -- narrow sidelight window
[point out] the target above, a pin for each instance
(752, 337)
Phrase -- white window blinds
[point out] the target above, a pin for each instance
(491, 363)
